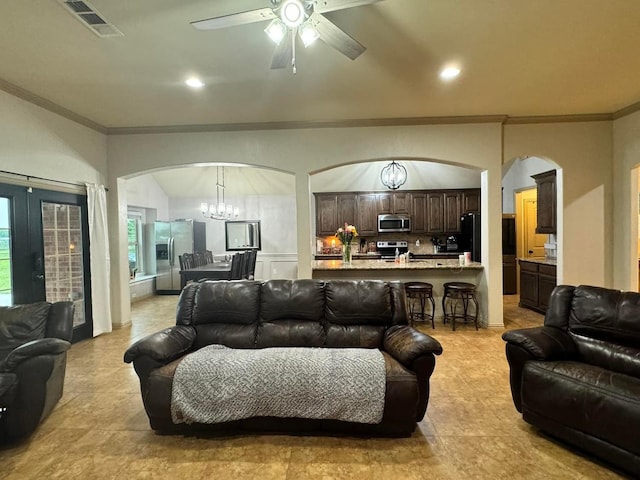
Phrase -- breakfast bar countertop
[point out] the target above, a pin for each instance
(431, 264)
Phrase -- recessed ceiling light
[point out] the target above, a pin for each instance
(449, 73)
(194, 82)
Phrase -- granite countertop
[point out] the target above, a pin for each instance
(543, 261)
(438, 264)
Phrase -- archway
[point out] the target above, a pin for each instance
(518, 194)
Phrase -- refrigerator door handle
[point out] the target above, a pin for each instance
(171, 259)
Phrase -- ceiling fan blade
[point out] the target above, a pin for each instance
(234, 19)
(322, 6)
(283, 54)
(334, 36)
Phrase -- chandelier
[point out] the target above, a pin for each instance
(393, 175)
(220, 210)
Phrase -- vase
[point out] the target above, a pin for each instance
(346, 254)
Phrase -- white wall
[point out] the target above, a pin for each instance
(308, 151)
(518, 177)
(626, 154)
(34, 141)
(277, 214)
(584, 153)
(144, 192)
(421, 175)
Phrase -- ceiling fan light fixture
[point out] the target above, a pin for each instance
(292, 13)
(276, 31)
(308, 34)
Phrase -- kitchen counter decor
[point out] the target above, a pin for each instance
(346, 235)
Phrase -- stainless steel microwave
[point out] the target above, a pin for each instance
(394, 223)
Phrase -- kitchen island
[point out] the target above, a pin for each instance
(434, 271)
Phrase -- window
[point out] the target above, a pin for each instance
(135, 243)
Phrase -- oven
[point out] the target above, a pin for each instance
(387, 250)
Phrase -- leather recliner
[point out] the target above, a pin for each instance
(292, 313)
(34, 339)
(577, 377)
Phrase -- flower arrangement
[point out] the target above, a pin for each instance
(346, 234)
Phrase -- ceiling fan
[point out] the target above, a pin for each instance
(295, 17)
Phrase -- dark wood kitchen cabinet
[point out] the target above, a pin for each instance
(367, 205)
(452, 211)
(419, 213)
(546, 186)
(394, 202)
(326, 213)
(471, 200)
(435, 213)
(347, 211)
(537, 281)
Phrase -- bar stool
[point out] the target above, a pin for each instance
(460, 292)
(418, 293)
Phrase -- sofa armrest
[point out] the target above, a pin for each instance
(405, 344)
(538, 343)
(163, 346)
(542, 343)
(43, 346)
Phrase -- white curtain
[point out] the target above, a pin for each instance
(100, 262)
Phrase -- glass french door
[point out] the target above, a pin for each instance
(44, 251)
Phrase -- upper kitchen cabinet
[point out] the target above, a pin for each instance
(452, 211)
(471, 200)
(394, 202)
(326, 213)
(435, 213)
(419, 213)
(333, 210)
(367, 206)
(546, 185)
(347, 211)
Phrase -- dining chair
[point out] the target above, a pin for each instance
(236, 266)
(250, 268)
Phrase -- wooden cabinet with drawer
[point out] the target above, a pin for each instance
(537, 281)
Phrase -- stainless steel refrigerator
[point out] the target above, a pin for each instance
(173, 239)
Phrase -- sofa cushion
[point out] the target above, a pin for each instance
(21, 324)
(606, 314)
(586, 398)
(291, 314)
(221, 312)
(357, 312)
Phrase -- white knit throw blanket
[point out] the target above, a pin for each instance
(219, 384)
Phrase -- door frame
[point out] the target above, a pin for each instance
(28, 253)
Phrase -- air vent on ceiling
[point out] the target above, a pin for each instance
(91, 19)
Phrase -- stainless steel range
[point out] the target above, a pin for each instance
(387, 249)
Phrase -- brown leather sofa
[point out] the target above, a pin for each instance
(577, 377)
(284, 313)
(34, 339)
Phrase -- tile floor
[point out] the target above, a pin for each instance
(471, 431)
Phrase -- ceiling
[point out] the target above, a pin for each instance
(518, 58)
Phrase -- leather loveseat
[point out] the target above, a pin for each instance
(577, 378)
(292, 313)
(34, 339)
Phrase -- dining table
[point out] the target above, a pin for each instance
(210, 271)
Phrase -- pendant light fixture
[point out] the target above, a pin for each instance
(220, 210)
(394, 175)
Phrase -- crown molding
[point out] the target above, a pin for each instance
(298, 125)
(295, 125)
(23, 94)
(628, 110)
(588, 117)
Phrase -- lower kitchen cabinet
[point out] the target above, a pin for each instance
(537, 281)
